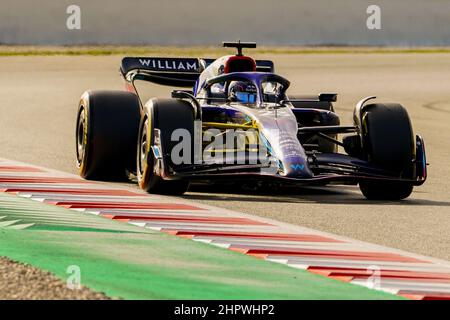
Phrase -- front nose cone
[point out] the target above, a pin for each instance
(297, 168)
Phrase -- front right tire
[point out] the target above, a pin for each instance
(385, 190)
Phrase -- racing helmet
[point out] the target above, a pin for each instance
(240, 91)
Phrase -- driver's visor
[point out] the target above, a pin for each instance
(245, 97)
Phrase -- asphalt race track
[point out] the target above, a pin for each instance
(38, 102)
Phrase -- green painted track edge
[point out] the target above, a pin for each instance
(133, 263)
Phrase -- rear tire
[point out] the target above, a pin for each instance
(167, 115)
(388, 142)
(106, 134)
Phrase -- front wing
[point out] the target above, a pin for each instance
(327, 168)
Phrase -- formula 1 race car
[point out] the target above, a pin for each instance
(237, 124)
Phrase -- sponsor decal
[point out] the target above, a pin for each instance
(170, 64)
(297, 166)
(215, 146)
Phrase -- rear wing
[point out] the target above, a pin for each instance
(176, 72)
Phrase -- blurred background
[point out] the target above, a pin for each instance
(207, 22)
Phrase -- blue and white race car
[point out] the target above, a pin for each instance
(236, 123)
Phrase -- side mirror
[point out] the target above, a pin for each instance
(328, 97)
(180, 94)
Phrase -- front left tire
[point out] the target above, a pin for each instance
(165, 116)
